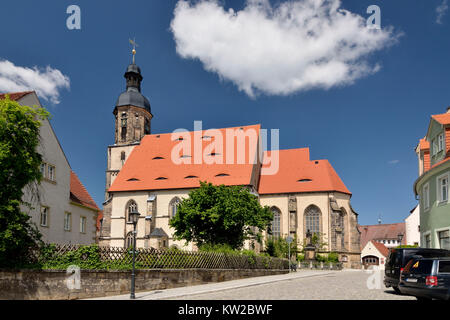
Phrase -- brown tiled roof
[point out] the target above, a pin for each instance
(99, 218)
(79, 194)
(381, 247)
(297, 173)
(424, 144)
(382, 231)
(15, 95)
(150, 165)
(443, 118)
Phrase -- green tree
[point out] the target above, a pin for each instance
(19, 167)
(217, 215)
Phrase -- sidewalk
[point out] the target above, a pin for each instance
(217, 286)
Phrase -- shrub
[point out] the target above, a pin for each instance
(333, 257)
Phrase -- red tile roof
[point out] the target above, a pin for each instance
(99, 218)
(381, 247)
(443, 118)
(150, 165)
(295, 166)
(424, 144)
(382, 231)
(15, 95)
(79, 194)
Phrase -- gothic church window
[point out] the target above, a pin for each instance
(131, 206)
(312, 219)
(276, 222)
(173, 207)
(129, 240)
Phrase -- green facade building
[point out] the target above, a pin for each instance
(432, 186)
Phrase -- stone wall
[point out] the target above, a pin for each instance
(52, 284)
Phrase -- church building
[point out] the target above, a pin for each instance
(154, 172)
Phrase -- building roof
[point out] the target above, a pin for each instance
(99, 219)
(443, 118)
(79, 194)
(15, 95)
(133, 96)
(159, 233)
(424, 144)
(150, 165)
(381, 232)
(297, 173)
(381, 248)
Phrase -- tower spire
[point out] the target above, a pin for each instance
(134, 44)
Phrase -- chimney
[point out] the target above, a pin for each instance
(448, 110)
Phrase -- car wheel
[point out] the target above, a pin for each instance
(397, 290)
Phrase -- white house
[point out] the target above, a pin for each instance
(62, 208)
(374, 254)
(412, 225)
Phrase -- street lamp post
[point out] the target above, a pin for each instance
(134, 217)
(400, 238)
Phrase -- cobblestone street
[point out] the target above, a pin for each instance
(340, 285)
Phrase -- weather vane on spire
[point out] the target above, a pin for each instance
(133, 42)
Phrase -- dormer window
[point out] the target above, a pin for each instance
(441, 142)
(158, 158)
(435, 147)
(161, 178)
(222, 175)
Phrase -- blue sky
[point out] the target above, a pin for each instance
(367, 129)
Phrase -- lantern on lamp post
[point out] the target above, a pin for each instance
(400, 238)
(134, 217)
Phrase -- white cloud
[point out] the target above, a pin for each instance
(46, 82)
(298, 45)
(394, 161)
(441, 10)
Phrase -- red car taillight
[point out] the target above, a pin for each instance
(432, 281)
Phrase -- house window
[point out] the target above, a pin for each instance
(82, 224)
(51, 172)
(276, 222)
(444, 239)
(44, 216)
(173, 207)
(426, 196)
(435, 147)
(440, 142)
(443, 188)
(43, 165)
(428, 241)
(67, 221)
(312, 219)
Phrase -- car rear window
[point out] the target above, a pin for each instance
(444, 266)
(419, 266)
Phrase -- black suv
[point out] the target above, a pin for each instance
(399, 257)
(426, 278)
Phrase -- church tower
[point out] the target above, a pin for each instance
(133, 117)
